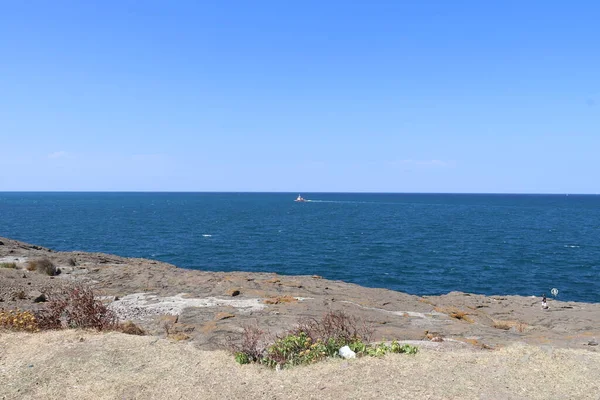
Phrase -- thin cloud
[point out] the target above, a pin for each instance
(58, 154)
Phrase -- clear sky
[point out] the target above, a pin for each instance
(385, 96)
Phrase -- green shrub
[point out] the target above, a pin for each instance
(11, 265)
(242, 358)
(314, 340)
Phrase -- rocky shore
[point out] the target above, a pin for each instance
(207, 307)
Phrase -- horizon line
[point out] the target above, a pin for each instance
(289, 192)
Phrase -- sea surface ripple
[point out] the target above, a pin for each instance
(415, 243)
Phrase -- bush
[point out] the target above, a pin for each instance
(19, 295)
(251, 347)
(336, 326)
(17, 320)
(313, 340)
(11, 265)
(43, 266)
(131, 329)
(76, 308)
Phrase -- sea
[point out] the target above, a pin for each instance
(424, 244)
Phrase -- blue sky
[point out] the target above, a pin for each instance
(384, 96)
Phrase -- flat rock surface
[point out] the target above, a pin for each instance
(210, 306)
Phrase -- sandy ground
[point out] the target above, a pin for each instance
(87, 365)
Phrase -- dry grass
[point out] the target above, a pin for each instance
(507, 325)
(130, 328)
(280, 299)
(43, 266)
(71, 308)
(179, 336)
(76, 308)
(116, 366)
(455, 313)
(336, 325)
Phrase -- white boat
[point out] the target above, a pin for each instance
(300, 199)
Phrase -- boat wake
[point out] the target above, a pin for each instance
(346, 202)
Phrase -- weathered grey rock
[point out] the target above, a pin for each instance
(146, 290)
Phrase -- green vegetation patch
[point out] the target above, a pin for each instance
(313, 341)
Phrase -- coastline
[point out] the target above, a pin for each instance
(470, 346)
(208, 306)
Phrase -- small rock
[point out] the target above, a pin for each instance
(233, 292)
(593, 342)
(317, 277)
(1, 243)
(40, 299)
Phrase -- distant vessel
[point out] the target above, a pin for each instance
(300, 199)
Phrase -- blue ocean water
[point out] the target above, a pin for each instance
(415, 243)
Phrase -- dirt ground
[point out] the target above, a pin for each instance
(86, 365)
